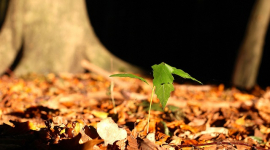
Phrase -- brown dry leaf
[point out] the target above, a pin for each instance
(212, 132)
(90, 144)
(190, 142)
(263, 105)
(109, 131)
(188, 128)
(121, 144)
(132, 140)
(122, 115)
(91, 132)
(72, 143)
(70, 98)
(264, 129)
(168, 147)
(148, 145)
(100, 114)
(175, 124)
(205, 137)
(243, 97)
(265, 116)
(132, 143)
(58, 120)
(211, 147)
(77, 127)
(161, 138)
(141, 127)
(197, 122)
(241, 121)
(242, 147)
(176, 140)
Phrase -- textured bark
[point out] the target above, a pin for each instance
(56, 36)
(250, 52)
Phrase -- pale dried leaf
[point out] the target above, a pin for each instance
(151, 137)
(108, 130)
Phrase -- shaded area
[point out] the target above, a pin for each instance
(3, 11)
(200, 37)
(37, 112)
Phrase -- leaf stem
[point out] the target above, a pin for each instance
(148, 120)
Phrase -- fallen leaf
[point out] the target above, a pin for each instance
(121, 144)
(100, 114)
(264, 129)
(132, 140)
(243, 97)
(109, 131)
(90, 144)
(161, 138)
(151, 137)
(69, 144)
(147, 144)
(241, 121)
(91, 132)
(132, 143)
(176, 140)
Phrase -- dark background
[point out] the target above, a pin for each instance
(201, 37)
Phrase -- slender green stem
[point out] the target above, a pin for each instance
(148, 120)
(112, 97)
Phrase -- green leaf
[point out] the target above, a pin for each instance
(129, 75)
(181, 73)
(163, 92)
(162, 74)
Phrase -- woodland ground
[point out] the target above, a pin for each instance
(68, 111)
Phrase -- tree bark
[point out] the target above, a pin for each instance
(250, 52)
(56, 36)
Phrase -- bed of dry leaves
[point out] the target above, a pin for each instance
(76, 112)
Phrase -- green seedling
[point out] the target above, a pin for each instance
(162, 82)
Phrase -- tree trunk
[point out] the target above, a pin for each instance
(56, 36)
(250, 52)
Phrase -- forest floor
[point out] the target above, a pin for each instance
(69, 111)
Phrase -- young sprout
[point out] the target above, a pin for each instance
(162, 82)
